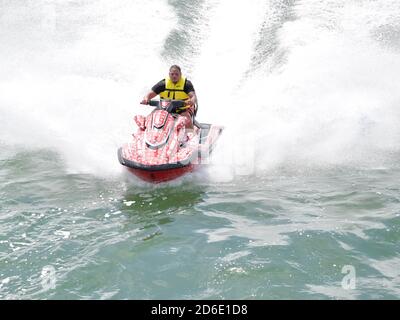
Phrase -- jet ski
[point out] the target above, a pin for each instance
(163, 148)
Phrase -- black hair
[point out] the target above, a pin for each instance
(175, 67)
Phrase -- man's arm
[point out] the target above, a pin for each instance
(192, 98)
(148, 97)
(155, 90)
(189, 89)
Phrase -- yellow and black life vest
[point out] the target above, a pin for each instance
(174, 91)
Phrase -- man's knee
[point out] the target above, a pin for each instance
(188, 119)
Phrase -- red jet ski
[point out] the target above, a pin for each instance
(163, 148)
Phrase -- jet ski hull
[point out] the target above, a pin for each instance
(159, 176)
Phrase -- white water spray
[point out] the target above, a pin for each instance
(72, 75)
(75, 73)
(333, 101)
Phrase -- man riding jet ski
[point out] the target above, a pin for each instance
(176, 87)
(169, 141)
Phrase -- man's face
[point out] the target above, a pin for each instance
(174, 75)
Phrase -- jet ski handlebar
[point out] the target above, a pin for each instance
(170, 106)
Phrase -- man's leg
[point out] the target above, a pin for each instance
(188, 114)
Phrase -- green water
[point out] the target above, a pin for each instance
(284, 236)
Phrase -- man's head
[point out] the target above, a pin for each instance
(175, 73)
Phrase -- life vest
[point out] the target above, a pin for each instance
(174, 91)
